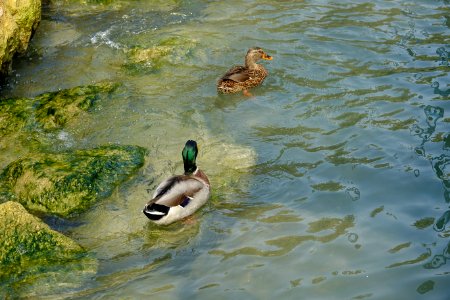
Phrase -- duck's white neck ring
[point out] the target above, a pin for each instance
(195, 172)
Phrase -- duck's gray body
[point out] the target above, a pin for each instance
(178, 197)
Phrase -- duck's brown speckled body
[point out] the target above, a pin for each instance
(241, 78)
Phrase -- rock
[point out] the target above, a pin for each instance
(32, 252)
(36, 124)
(14, 115)
(54, 110)
(25, 237)
(63, 184)
(18, 21)
(169, 50)
(83, 8)
(50, 110)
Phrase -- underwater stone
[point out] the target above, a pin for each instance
(66, 183)
(54, 110)
(170, 50)
(49, 110)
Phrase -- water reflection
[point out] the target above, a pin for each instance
(285, 244)
(418, 259)
(433, 114)
(438, 91)
(444, 55)
(114, 281)
(425, 287)
(353, 193)
(441, 166)
(440, 163)
(440, 259)
(170, 237)
(352, 237)
(442, 221)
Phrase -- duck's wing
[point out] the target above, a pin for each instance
(237, 74)
(176, 190)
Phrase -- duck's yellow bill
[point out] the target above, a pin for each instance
(267, 57)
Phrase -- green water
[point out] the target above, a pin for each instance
(330, 183)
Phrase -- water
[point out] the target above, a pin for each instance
(332, 182)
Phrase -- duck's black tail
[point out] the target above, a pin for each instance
(155, 211)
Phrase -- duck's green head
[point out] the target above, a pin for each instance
(189, 154)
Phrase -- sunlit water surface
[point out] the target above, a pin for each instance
(332, 182)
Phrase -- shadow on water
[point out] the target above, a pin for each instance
(331, 227)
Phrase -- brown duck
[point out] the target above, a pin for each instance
(241, 78)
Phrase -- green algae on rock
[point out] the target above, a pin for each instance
(83, 8)
(14, 115)
(49, 110)
(66, 183)
(169, 50)
(32, 252)
(24, 237)
(55, 109)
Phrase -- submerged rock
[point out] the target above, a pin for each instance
(32, 252)
(18, 21)
(66, 183)
(170, 50)
(49, 110)
(83, 8)
(54, 110)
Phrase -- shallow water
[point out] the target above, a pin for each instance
(332, 182)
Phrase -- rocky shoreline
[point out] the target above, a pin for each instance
(46, 178)
(48, 183)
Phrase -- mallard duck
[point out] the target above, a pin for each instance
(180, 196)
(241, 78)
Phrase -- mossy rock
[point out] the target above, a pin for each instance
(84, 8)
(169, 50)
(31, 251)
(14, 115)
(50, 110)
(63, 184)
(54, 110)
(24, 237)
